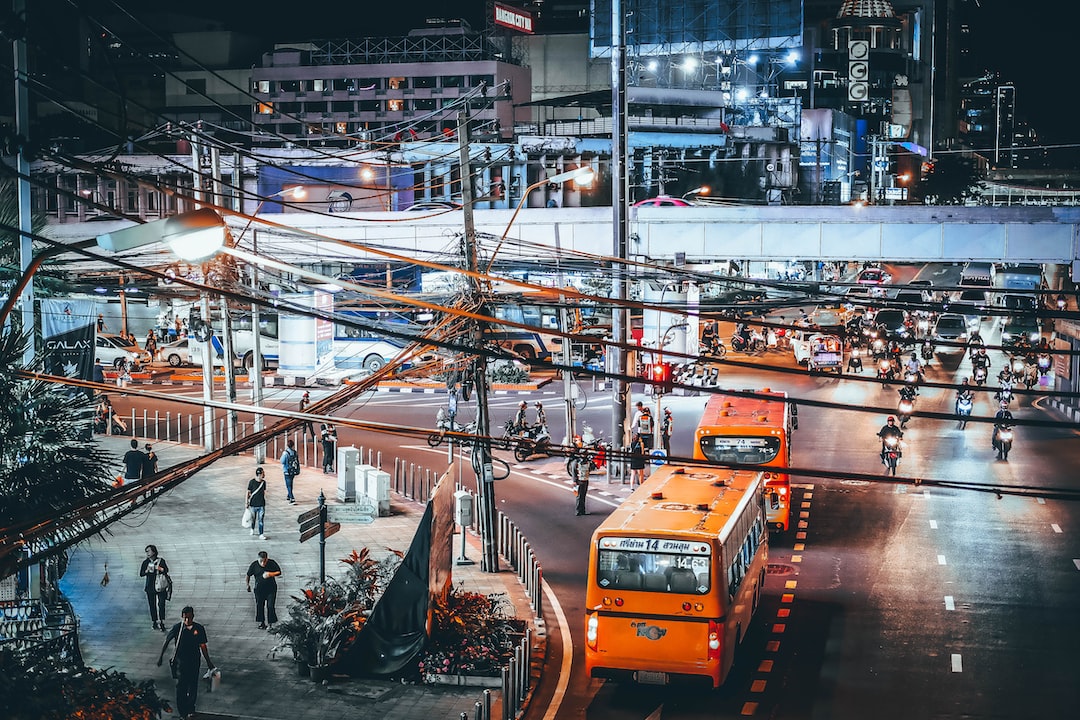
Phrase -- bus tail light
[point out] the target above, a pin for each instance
(715, 629)
(591, 626)
(782, 490)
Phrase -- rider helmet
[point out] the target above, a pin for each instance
(539, 404)
(524, 404)
(891, 419)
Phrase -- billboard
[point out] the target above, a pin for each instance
(661, 27)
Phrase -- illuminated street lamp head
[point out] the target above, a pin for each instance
(582, 176)
(191, 236)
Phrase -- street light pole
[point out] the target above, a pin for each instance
(617, 363)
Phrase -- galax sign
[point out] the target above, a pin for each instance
(513, 18)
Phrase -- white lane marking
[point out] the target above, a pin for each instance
(1041, 501)
(1076, 562)
(957, 663)
(940, 559)
(1057, 528)
(926, 493)
(933, 524)
(567, 654)
(949, 604)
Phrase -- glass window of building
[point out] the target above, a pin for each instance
(343, 84)
(262, 86)
(195, 86)
(369, 84)
(343, 106)
(264, 108)
(289, 85)
(477, 80)
(319, 106)
(424, 104)
(370, 105)
(426, 82)
(453, 81)
(397, 83)
(395, 105)
(289, 107)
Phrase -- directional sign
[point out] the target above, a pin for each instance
(362, 512)
(331, 528)
(307, 515)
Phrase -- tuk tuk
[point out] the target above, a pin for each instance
(826, 353)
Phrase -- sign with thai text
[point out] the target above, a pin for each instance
(513, 18)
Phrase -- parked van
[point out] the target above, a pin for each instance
(978, 274)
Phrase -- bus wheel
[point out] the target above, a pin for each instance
(374, 363)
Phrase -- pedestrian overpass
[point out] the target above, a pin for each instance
(670, 235)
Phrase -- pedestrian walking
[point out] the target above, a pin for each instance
(134, 463)
(666, 426)
(256, 500)
(581, 480)
(290, 468)
(157, 586)
(151, 466)
(637, 462)
(100, 323)
(328, 439)
(264, 570)
(190, 638)
(305, 401)
(99, 371)
(151, 344)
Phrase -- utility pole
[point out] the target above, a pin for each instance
(207, 333)
(485, 479)
(22, 164)
(255, 374)
(619, 196)
(218, 195)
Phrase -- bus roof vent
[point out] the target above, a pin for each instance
(703, 507)
(657, 495)
(764, 417)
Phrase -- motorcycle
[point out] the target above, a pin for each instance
(598, 451)
(527, 441)
(905, 408)
(979, 375)
(714, 347)
(892, 453)
(756, 343)
(1031, 376)
(444, 424)
(1044, 363)
(1003, 440)
(1004, 395)
(886, 371)
(927, 351)
(963, 409)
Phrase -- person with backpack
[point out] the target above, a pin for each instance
(290, 468)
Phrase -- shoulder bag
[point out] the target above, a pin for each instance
(173, 667)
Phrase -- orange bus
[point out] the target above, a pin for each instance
(752, 431)
(675, 575)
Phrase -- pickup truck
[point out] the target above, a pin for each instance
(818, 351)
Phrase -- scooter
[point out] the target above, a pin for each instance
(598, 452)
(1003, 440)
(904, 410)
(527, 441)
(444, 424)
(979, 375)
(963, 409)
(927, 351)
(886, 371)
(1004, 395)
(892, 453)
(756, 343)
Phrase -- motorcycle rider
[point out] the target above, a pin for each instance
(980, 360)
(1002, 420)
(914, 367)
(889, 429)
(908, 392)
(541, 417)
(519, 420)
(965, 394)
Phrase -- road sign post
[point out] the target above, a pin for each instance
(313, 522)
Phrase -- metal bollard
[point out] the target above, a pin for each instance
(478, 711)
(487, 704)
(156, 421)
(506, 713)
(378, 459)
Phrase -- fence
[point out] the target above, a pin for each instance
(40, 633)
(410, 481)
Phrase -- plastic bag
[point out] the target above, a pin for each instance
(248, 518)
(213, 679)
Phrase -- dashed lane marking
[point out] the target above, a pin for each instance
(1056, 527)
(940, 559)
(949, 604)
(749, 708)
(957, 663)
(933, 524)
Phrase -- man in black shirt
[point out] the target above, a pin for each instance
(264, 570)
(134, 462)
(190, 639)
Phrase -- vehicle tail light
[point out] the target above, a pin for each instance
(591, 628)
(715, 629)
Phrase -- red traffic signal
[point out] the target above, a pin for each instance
(661, 375)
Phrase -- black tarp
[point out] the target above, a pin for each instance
(398, 627)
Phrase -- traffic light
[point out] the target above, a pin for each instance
(661, 375)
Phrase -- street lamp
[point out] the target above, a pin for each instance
(703, 190)
(582, 175)
(658, 391)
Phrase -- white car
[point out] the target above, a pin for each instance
(176, 353)
(114, 350)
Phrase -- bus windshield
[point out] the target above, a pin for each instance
(740, 449)
(654, 570)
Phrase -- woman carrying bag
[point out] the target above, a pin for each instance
(158, 585)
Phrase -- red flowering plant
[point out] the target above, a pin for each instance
(471, 634)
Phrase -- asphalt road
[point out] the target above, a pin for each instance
(889, 599)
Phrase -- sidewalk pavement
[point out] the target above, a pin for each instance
(198, 532)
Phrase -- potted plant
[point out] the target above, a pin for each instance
(297, 633)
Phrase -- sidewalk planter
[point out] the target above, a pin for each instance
(302, 668)
(319, 673)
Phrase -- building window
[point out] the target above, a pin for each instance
(264, 108)
(315, 106)
(316, 85)
(262, 86)
(453, 81)
(395, 105)
(289, 107)
(369, 84)
(289, 128)
(347, 106)
(477, 80)
(343, 84)
(289, 86)
(424, 83)
(397, 83)
(195, 86)
(370, 105)
(424, 104)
